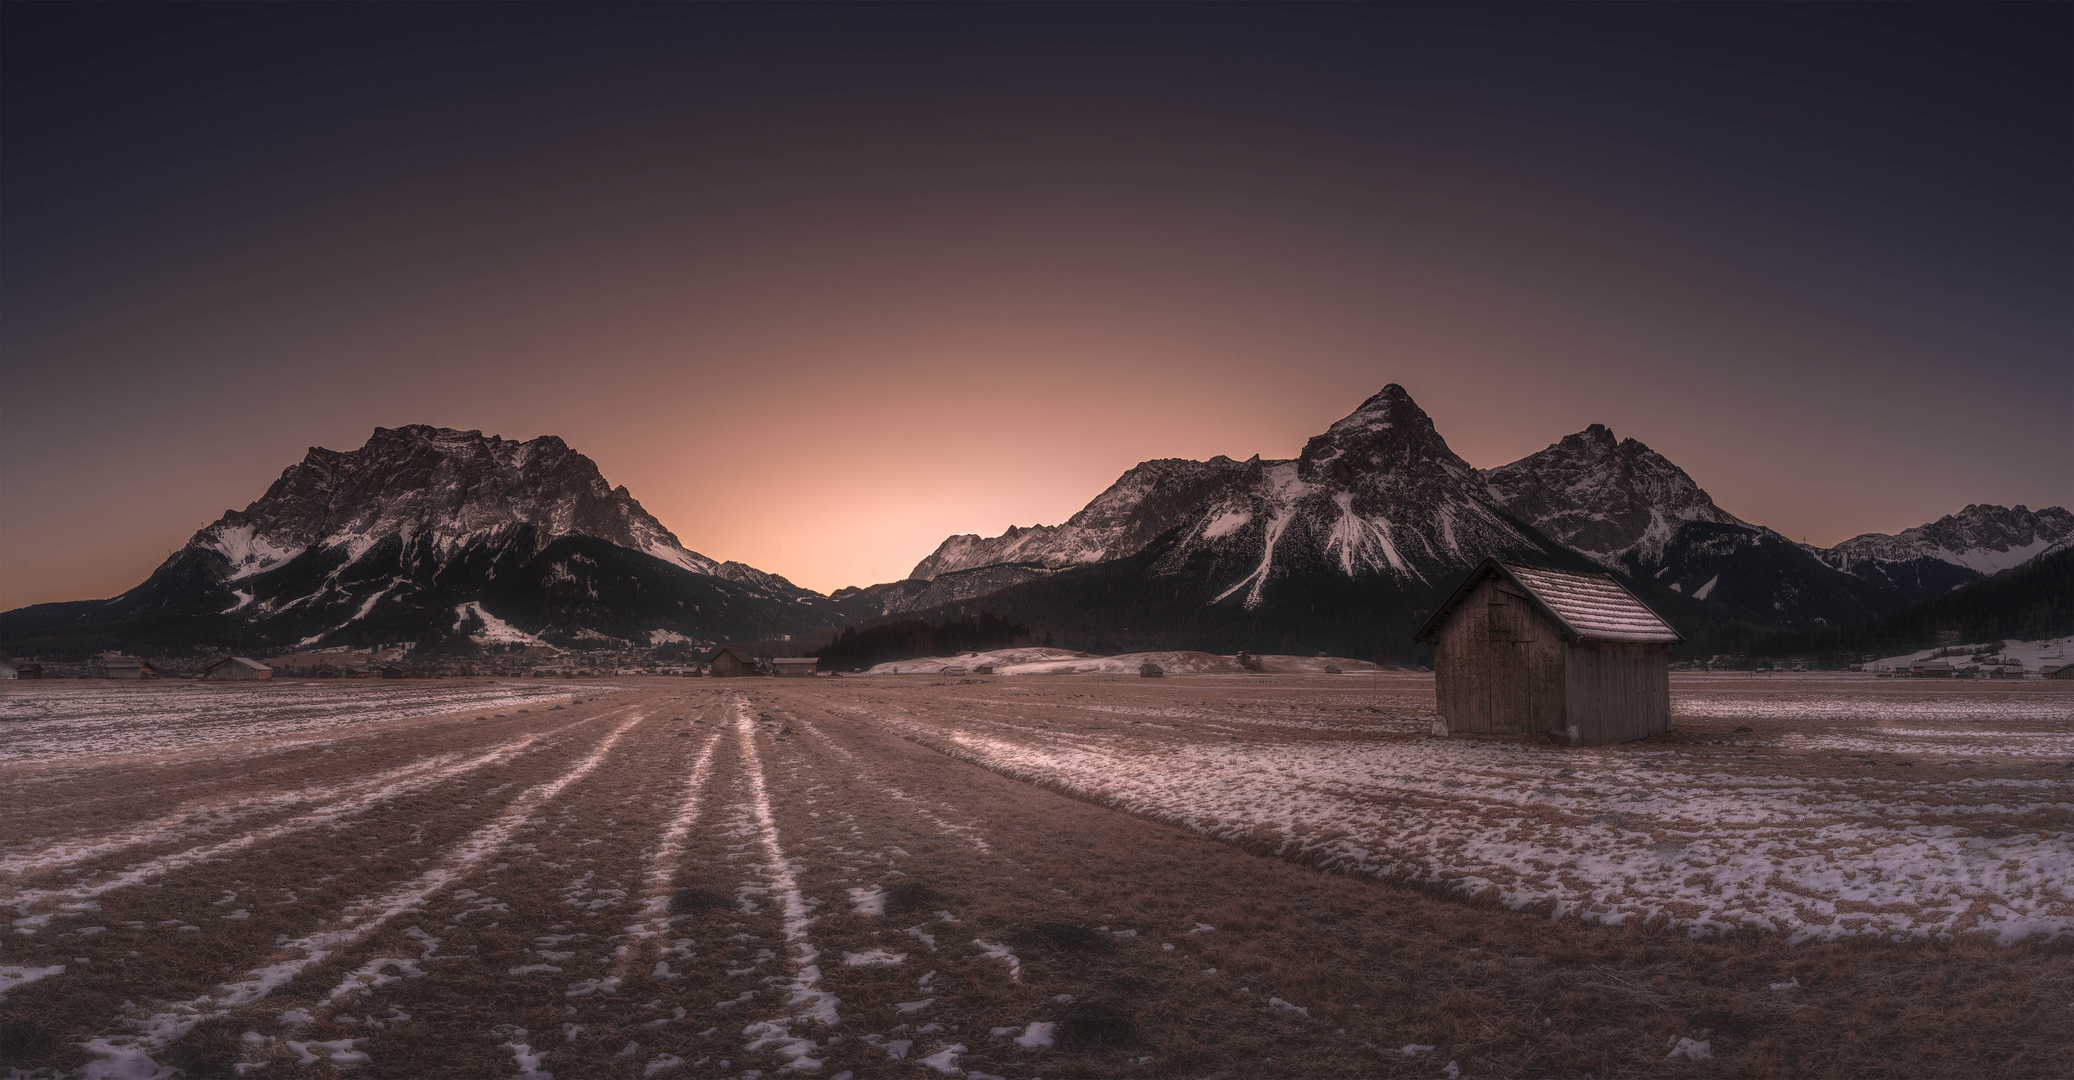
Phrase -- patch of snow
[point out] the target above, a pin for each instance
(1037, 1036)
(13, 975)
(495, 630)
(1691, 1050)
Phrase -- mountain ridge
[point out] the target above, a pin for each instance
(455, 539)
(446, 538)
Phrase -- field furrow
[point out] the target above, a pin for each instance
(1061, 877)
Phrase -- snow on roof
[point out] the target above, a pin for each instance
(1593, 605)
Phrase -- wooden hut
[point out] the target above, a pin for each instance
(1150, 670)
(31, 670)
(1528, 652)
(729, 662)
(983, 669)
(2064, 671)
(1933, 669)
(391, 671)
(127, 667)
(793, 667)
(237, 668)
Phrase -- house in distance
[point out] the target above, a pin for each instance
(127, 667)
(1527, 652)
(729, 662)
(237, 668)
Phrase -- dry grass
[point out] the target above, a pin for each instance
(1087, 898)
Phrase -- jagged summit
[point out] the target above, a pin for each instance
(447, 538)
(439, 485)
(1379, 493)
(1389, 433)
(1607, 497)
(1979, 540)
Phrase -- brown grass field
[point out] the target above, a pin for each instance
(922, 877)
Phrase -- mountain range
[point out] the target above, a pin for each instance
(456, 540)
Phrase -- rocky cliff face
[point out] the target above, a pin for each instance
(431, 534)
(1379, 494)
(1978, 541)
(440, 488)
(1610, 499)
(1380, 499)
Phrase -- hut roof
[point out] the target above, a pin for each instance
(788, 661)
(1585, 606)
(735, 651)
(241, 661)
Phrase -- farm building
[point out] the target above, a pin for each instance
(127, 667)
(1522, 651)
(31, 670)
(1149, 670)
(392, 672)
(728, 662)
(237, 667)
(983, 669)
(794, 666)
(1933, 669)
(2064, 671)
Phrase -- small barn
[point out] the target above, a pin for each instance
(2064, 671)
(983, 669)
(127, 667)
(391, 671)
(1933, 669)
(239, 668)
(1150, 670)
(31, 670)
(793, 667)
(729, 662)
(1527, 652)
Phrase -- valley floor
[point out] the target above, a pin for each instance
(1062, 876)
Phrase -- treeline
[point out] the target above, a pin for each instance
(2028, 603)
(855, 648)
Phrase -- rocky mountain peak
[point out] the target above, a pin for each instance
(1982, 538)
(1386, 434)
(1604, 496)
(440, 485)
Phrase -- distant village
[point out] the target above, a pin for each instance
(759, 659)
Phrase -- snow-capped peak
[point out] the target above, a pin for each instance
(1982, 538)
(438, 487)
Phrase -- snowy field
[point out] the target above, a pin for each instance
(1046, 661)
(69, 718)
(944, 876)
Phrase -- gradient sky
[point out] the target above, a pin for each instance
(825, 285)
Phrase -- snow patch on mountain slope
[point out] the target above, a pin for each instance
(495, 631)
(249, 552)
